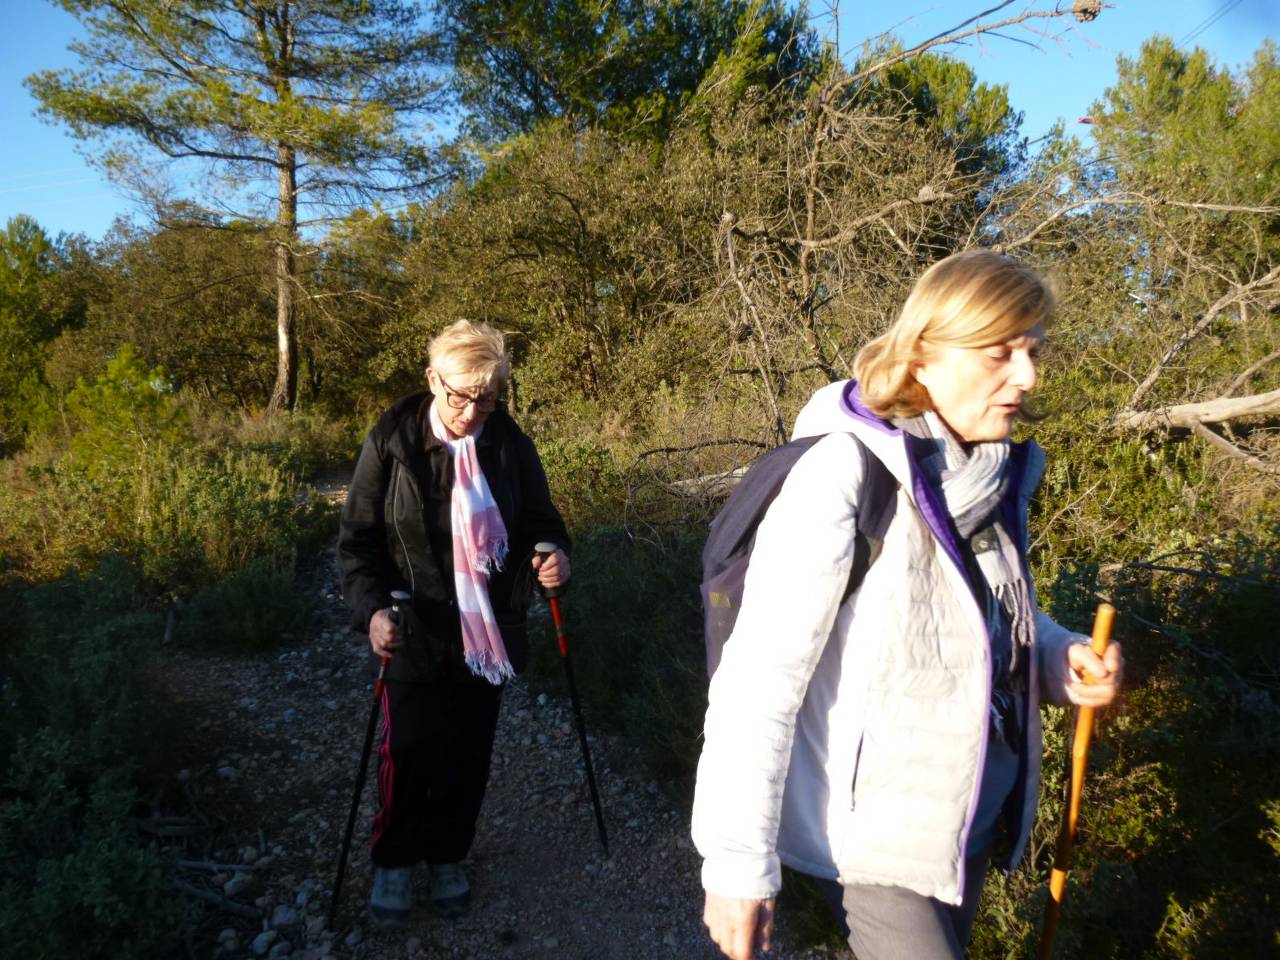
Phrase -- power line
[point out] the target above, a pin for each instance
(47, 186)
(1209, 21)
(9, 178)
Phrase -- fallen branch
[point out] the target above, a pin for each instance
(218, 900)
(1188, 415)
(732, 441)
(1206, 319)
(171, 826)
(216, 867)
(1229, 448)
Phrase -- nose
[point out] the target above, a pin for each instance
(1024, 371)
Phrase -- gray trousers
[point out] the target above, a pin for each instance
(892, 923)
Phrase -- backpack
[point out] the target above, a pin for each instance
(727, 552)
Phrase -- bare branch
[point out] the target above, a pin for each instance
(926, 195)
(732, 441)
(1229, 448)
(727, 221)
(1240, 381)
(954, 37)
(1209, 316)
(1130, 200)
(1189, 415)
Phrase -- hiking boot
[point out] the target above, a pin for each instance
(392, 896)
(450, 892)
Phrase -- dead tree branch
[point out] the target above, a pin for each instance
(955, 36)
(1189, 415)
(1129, 200)
(1207, 318)
(1229, 448)
(1240, 381)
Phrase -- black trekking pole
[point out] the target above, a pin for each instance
(552, 594)
(398, 597)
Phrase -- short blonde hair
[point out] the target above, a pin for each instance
(970, 299)
(473, 348)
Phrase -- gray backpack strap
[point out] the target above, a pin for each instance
(877, 497)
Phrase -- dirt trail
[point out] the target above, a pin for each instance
(273, 749)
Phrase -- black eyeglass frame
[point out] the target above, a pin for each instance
(484, 404)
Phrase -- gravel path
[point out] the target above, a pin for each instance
(273, 749)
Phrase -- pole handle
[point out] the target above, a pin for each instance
(544, 549)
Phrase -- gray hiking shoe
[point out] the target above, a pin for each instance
(450, 892)
(392, 896)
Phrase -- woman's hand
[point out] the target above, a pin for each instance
(552, 569)
(1106, 672)
(739, 926)
(384, 635)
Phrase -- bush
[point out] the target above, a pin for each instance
(1174, 858)
(81, 733)
(635, 632)
(586, 483)
(252, 609)
(185, 516)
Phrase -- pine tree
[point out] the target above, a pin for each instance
(314, 97)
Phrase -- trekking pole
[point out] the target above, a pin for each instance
(398, 597)
(1079, 760)
(552, 593)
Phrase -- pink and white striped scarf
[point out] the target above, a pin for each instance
(479, 548)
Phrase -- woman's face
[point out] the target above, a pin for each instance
(459, 396)
(977, 390)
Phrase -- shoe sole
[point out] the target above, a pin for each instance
(384, 919)
(452, 907)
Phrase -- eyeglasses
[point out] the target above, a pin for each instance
(485, 403)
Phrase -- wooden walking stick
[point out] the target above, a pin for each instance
(1071, 816)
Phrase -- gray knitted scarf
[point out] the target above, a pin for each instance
(972, 482)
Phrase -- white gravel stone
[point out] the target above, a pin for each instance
(237, 883)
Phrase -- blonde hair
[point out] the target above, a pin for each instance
(473, 348)
(969, 299)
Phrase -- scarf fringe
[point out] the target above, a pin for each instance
(479, 663)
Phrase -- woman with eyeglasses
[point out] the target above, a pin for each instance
(447, 501)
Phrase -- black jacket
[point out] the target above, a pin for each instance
(395, 533)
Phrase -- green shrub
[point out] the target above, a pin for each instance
(635, 632)
(1174, 859)
(185, 516)
(81, 733)
(301, 444)
(252, 609)
(586, 483)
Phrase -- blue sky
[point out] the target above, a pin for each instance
(42, 174)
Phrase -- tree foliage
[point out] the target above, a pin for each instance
(39, 300)
(629, 66)
(312, 99)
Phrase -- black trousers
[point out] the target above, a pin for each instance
(433, 766)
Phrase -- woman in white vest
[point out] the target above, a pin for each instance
(880, 741)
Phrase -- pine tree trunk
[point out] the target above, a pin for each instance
(285, 394)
